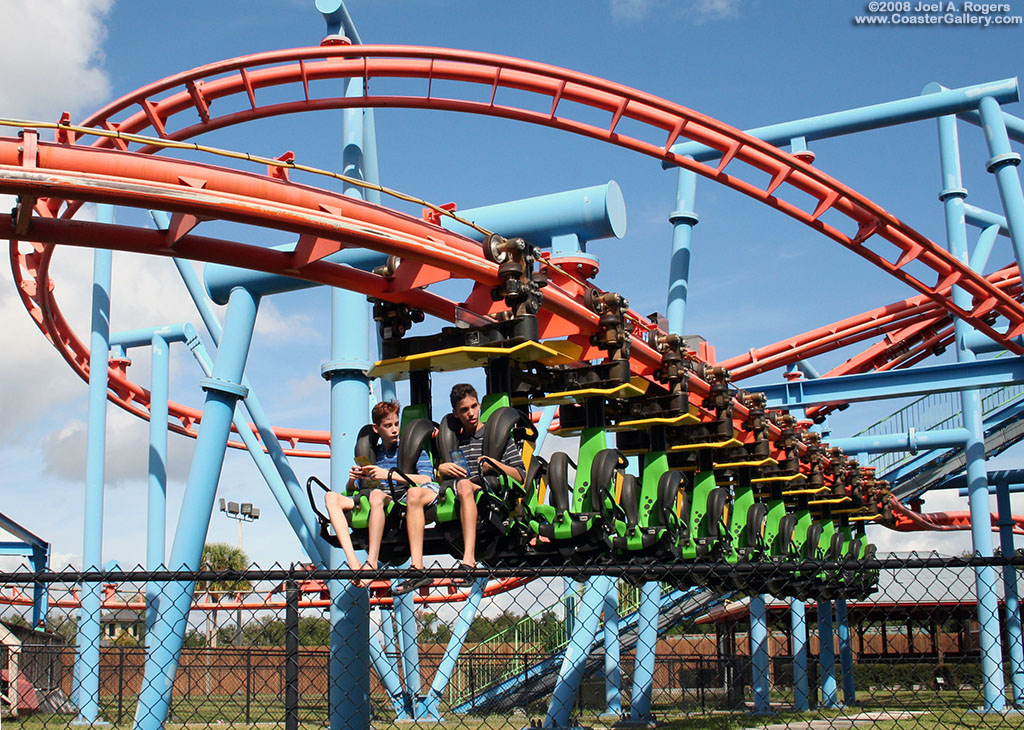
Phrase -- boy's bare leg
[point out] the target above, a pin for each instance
(416, 522)
(375, 526)
(337, 505)
(467, 515)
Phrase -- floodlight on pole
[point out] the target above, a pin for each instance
(241, 513)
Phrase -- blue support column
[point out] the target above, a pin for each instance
(430, 707)
(570, 675)
(87, 664)
(40, 593)
(1011, 598)
(952, 196)
(156, 503)
(646, 645)
(845, 652)
(1003, 164)
(683, 219)
(385, 667)
(827, 656)
(798, 631)
(350, 397)
(223, 389)
(273, 465)
(612, 675)
(405, 614)
(759, 657)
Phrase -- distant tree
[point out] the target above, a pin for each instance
(63, 624)
(432, 630)
(314, 631)
(221, 556)
(16, 619)
(194, 640)
(268, 631)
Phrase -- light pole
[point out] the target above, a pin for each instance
(242, 513)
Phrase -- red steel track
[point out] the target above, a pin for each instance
(53, 180)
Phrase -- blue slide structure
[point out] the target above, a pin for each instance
(538, 680)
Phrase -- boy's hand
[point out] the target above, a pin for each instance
(487, 464)
(451, 470)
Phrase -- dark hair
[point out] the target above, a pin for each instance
(460, 391)
(384, 409)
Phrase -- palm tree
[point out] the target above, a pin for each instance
(221, 556)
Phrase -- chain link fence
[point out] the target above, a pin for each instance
(525, 647)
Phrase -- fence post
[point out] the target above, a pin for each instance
(120, 683)
(248, 684)
(291, 648)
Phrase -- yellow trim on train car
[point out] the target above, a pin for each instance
(462, 358)
(727, 444)
(766, 461)
(790, 478)
(636, 386)
(793, 492)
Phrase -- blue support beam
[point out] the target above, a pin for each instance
(87, 663)
(896, 383)
(430, 708)
(683, 219)
(827, 656)
(845, 652)
(563, 699)
(798, 632)
(590, 213)
(612, 674)
(223, 389)
(887, 114)
(912, 441)
(952, 196)
(760, 661)
(646, 647)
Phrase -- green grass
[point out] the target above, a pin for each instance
(932, 711)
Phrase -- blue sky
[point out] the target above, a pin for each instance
(756, 275)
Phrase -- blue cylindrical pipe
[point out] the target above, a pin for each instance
(759, 657)
(798, 632)
(683, 219)
(983, 248)
(588, 213)
(350, 397)
(1003, 164)
(612, 675)
(430, 707)
(274, 468)
(156, 505)
(876, 116)
(845, 652)
(223, 389)
(912, 441)
(646, 646)
(408, 645)
(87, 666)
(827, 656)
(980, 343)
(952, 196)
(1011, 597)
(156, 502)
(580, 642)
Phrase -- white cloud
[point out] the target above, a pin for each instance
(696, 12)
(707, 10)
(631, 9)
(127, 451)
(53, 57)
(273, 322)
